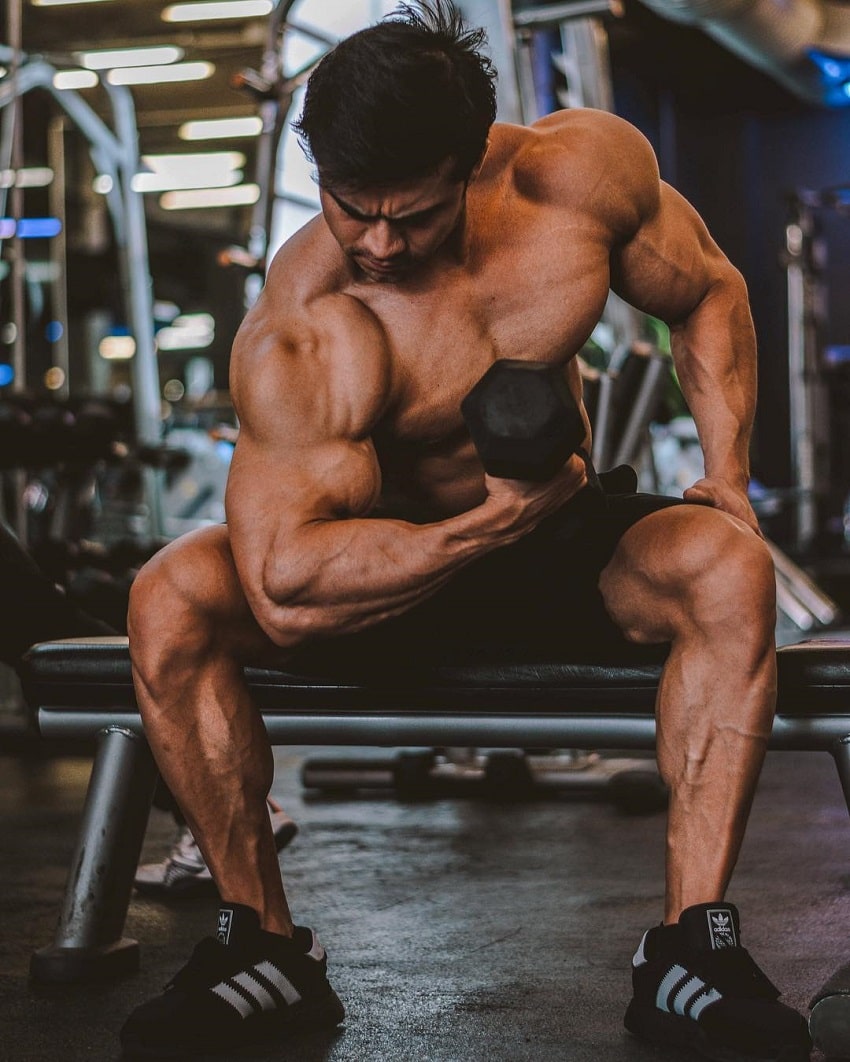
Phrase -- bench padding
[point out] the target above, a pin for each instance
(93, 673)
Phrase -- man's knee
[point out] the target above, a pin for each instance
(173, 602)
(730, 581)
(686, 568)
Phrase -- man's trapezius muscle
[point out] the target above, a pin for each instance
(347, 376)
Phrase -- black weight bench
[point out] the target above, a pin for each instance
(82, 687)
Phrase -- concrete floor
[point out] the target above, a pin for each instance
(459, 930)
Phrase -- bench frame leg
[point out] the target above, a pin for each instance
(89, 943)
(829, 1022)
(841, 755)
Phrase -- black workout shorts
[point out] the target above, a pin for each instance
(534, 600)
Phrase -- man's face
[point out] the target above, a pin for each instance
(388, 232)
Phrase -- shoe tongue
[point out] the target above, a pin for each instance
(235, 923)
(711, 926)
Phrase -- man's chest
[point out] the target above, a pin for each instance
(523, 304)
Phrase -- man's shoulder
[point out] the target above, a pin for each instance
(305, 328)
(577, 156)
(306, 293)
(309, 266)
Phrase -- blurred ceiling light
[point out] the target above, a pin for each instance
(189, 331)
(109, 58)
(190, 161)
(32, 177)
(207, 11)
(54, 378)
(103, 184)
(57, 3)
(117, 348)
(161, 182)
(202, 169)
(159, 75)
(220, 128)
(74, 79)
(200, 198)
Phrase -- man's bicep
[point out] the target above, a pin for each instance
(669, 265)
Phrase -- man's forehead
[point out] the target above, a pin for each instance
(396, 199)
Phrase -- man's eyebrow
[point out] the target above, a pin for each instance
(358, 215)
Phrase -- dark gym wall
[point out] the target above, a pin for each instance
(735, 144)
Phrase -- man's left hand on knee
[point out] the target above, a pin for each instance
(721, 494)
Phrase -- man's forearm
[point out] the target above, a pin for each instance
(715, 355)
(339, 576)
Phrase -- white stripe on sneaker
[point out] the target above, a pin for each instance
(282, 983)
(316, 952)
(675, 976)
(253, 987)
(687, 994)
(698, 1006)
(229, 994)
(640, 955)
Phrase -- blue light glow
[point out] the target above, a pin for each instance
(38, 228)
(833, 71)
(54, 332)
(7, 374)
(30, 228)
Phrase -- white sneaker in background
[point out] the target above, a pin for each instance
(184, 873)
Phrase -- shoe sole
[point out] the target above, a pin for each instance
(672, 1030)
(306, 1016)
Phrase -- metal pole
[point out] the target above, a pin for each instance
(58, 251)
(17, 261)
(797, 239)
(88, 941)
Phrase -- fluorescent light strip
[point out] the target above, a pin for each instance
(62, 3)
(109, 58)
(174, 163)
(213, 11)
(32, 177)
(160, 75)
(201, 198)
(202, 169)
(163, 182)
(74, 79)
(220, 128)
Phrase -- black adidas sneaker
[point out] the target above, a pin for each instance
(695, 986)
(243, 987)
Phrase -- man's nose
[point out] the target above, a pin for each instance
(383, 240)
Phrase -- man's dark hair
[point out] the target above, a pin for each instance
(394, 101)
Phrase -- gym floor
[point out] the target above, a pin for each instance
(459, 930)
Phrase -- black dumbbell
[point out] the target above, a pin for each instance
(523, 420)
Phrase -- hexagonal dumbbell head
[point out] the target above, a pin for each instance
(523, 420)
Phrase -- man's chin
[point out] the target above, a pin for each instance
(383, 274)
